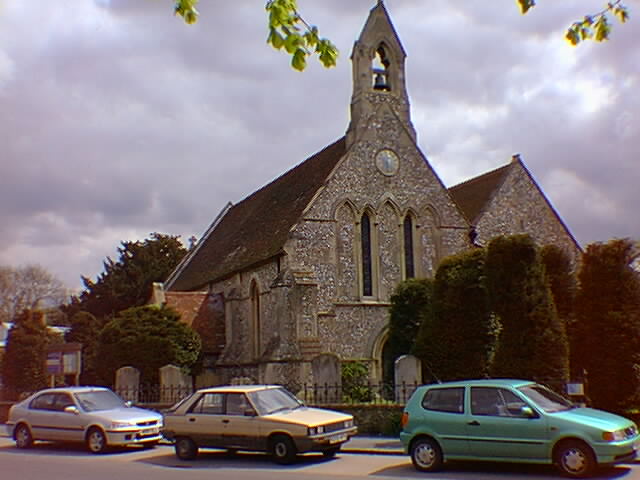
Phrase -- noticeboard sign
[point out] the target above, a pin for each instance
(54, 363)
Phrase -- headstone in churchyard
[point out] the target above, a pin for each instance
(327, 379)
(128, 384)
(408, 375)
(174, 384)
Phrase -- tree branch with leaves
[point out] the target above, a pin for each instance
(596, 26)
(288, 31)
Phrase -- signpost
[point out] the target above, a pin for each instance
(64, 359)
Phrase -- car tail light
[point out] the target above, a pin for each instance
(405, 419)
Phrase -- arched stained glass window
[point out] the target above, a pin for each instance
(409, 265)
(367, 270)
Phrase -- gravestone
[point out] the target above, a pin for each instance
(174, 384)
(128, 384)
(408, 375)
(327, 379)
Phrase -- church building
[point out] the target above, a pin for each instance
(305, 266)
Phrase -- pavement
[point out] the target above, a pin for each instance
(373, 445)
(366, 444)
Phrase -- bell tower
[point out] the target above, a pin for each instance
(378, 60)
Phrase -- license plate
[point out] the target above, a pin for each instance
(338, 438)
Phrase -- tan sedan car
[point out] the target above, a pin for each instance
(256, 418)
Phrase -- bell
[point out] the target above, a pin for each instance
(380, 82)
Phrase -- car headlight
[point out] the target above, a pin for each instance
(116, 425)
(348, 423)
(312, 430)
(616, 436)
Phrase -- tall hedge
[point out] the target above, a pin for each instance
(410, 302)
(457, 339)
(608, 323)
(561, 275)
(533, 341)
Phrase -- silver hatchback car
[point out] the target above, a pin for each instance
(95, 416)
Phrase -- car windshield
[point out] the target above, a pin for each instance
(546, 399)
(99, 400)
(272, 400)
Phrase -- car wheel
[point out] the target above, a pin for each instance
(23, 436)
(186, 449)
(330, 452)
(283, 450)
(426, 455)
(575, 459)
(96, 441)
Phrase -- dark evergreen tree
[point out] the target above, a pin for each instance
(24, 363)
(533, 342)
(607, 325)
(562, 278)
(410, 302)
(457, 338)
(85, 329)
(146, 338)
(127, 282)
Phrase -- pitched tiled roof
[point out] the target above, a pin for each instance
(473, 195)
(256, 229)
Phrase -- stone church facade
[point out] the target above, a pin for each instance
(306, 265)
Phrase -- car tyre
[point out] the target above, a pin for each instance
(96, 440)
(283, 450)
(426, 455)
(330, 452)
(186, 449)
(575, 459)
(23, 436)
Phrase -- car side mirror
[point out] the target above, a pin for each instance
(72, 409)
(249, 412)
(527, 411)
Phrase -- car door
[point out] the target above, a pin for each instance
(41, 416)
(241, 425)
(204, 421)
(497, 427)
(443, 415)
(67, 426)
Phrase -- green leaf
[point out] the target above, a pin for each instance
(275, 39)
(299, 60)
(526, 5)
(602, 29)
(572, 36)
(621, 13)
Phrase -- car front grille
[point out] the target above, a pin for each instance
(334, 427)
(149, 423)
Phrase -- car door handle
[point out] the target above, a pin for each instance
(473, 423)
(192, 419)
(225, 421)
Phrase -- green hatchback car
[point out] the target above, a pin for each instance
(512, 421)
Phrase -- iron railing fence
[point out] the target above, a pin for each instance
(165, 394)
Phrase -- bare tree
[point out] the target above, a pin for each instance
(28, 287)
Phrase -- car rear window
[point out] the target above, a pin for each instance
(450, 400)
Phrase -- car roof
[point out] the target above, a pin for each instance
(237, 388)
(485, 382)
(78, 389)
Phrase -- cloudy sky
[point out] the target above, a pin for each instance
(119, 120)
